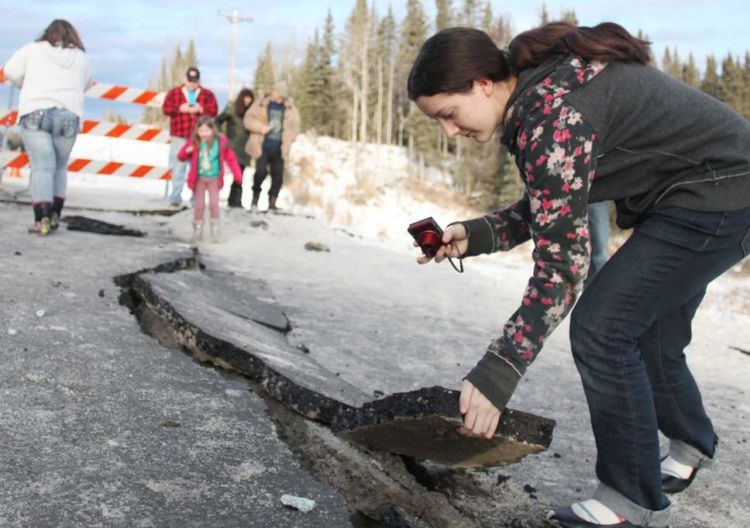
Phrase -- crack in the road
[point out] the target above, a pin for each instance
(380, 489)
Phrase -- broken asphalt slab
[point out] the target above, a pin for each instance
(232, 321)
(99, 227)
(423, 423)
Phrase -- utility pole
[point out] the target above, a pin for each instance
(233, 18)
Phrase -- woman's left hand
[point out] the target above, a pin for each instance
(480, 414)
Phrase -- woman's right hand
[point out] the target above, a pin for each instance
(455, 244)
(189, 149)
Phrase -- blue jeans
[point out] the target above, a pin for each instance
(179, 169)
(48, 137)
(628, 332)
(599, 229)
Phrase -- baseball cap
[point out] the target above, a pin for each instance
(193, 74)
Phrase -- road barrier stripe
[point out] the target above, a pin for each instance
(123, 94)
(112, 130)
(104, 168)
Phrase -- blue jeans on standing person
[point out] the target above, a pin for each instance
(599, 230)
(628, 332)
(48, 137)
(179, 169)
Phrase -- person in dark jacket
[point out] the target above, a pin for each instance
(229, 122)
(588, 119)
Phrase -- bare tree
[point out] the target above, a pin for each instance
(364, 77)
(379, 107)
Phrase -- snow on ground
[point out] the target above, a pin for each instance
(372, 190)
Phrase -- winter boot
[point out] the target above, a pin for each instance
(41, 227)
(215, 234)
(197, 233)
(254, 204)
(235, 195)
(54, 219)
(42, 213)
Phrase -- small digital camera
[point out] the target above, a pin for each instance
(428, 235)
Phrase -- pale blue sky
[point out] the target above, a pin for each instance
(126, 40)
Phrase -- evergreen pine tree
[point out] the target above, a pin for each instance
(732, 82)
(413, 35)
(711, 83)
(469, 16)
(569, 15)
(171, 73)
(501, 31)
(506, 187)
(666, 60)
(328, 120)
(177, 69)
(690, 74)
(642, 36)
(265, 75)
(190, 58)
(307, 87)
(543, 15)
(487, 18)
(745, 109)
(675, 68)
(443, 16)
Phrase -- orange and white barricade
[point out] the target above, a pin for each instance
(125, 94)
(104, 168)
(117, 93)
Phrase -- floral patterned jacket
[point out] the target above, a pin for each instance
(555, 151)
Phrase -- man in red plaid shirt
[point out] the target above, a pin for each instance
(184, 105)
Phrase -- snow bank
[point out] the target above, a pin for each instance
(372, 190)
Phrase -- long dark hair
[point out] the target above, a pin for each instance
(451, 60)
(239, 104)
(62, 33)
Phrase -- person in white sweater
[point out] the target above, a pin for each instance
(53, 72)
